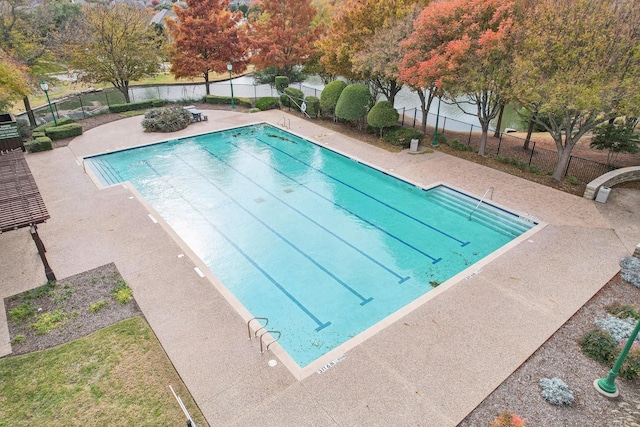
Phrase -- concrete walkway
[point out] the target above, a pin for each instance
(430, 368)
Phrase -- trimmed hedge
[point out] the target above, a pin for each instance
(281, 83)
(64, 131)
(354, 102)
(213, 99)
(141, 105)
(37, 134)
(330, 95)
(296, 94)
(313, 106)
(267, 103)
(382, 115)
(62, 121)
(41, 143)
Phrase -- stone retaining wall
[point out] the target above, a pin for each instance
(610, 179)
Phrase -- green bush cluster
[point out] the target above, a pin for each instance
(521, 165)
(281, 83)
(313, 106)
(292, 97)
(122, 292)
(456, 145)
(213, 99)
(330, 95)
(43, 127)
(401, 136)
(599, 345)
(382, 115)
(141, 105)
(267, 103)
(354, 102)
(168, 119)
(64, 131)
(623, 311)
(24, 128)
(41, 143)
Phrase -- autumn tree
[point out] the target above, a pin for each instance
(353, 24)
(13, 82)
(463, 48)
(282, 34)
(577, 66)
(115, 44)
(206, 37)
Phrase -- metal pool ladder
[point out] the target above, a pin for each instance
(285, 123)
(490, 189)
(259, 320)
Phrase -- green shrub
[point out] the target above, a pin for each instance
(49, 321)
(354, 102)
(267, 103)
(41, 143)
(573, 180)
(457, 145)
(120, 108)
(292, 97)
(168, 119)
(313, 106)
(24, 128)
(623, 311)
(330, 95)
(599, 345)
(64, 131)
(401, 136)
(62, 121)
(37, 134)
(631, 367)
(281, 83)
(213, 99)
(382, 115)
(18, 339)
(122, 292)
(157, 102)
(519, 164)
(95, 307)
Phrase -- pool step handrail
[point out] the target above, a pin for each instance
(257, 319)
(262, 351)
(490, 189)
(285, 123)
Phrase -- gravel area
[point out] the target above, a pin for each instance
(73, 297)
(562, 357)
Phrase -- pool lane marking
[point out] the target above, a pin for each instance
(321, 325)
(362, 299)
(462, 243)
(402, 279)
(433, 259)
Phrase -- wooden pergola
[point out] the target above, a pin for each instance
(21, 204)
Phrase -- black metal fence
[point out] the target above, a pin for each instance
(507, 146)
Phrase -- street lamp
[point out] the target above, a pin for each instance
(607, 386)
(45, 87)
(230, 67)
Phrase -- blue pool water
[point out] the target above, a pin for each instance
(321, 245)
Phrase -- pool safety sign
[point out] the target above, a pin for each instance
(331, 364)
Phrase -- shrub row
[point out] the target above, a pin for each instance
(64, 131)
(41, 143)
(213, 99)
(62, 121)
(141, 105)
(267, 103)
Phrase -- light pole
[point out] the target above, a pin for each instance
(435, 135)
(230, 68)
(607, 386)
(45, 87)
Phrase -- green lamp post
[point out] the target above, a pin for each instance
(45, 87)
(230, 68)
(607, 386)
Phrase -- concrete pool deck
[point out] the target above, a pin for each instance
(430, 368)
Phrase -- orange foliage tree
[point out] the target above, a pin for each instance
(464, 48)
(206, 37)
(283, 34)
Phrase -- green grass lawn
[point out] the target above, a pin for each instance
(119, 375)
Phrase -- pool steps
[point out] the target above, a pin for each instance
(484, 213)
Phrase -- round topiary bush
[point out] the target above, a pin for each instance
(291, 97)
(354, 102)
(281, 83)
(401, 136)
(382, 115)
(168, 119)
(267, 103)
(313, 106)
(330, 95)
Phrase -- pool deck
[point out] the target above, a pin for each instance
(429, 368)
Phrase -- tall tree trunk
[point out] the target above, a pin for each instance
(483, 138)
(560, 169)
(532, 122)
(499, 124)
(27, 108)
(124, 90)
(206, 82)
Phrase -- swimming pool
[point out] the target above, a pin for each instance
(323, 246)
